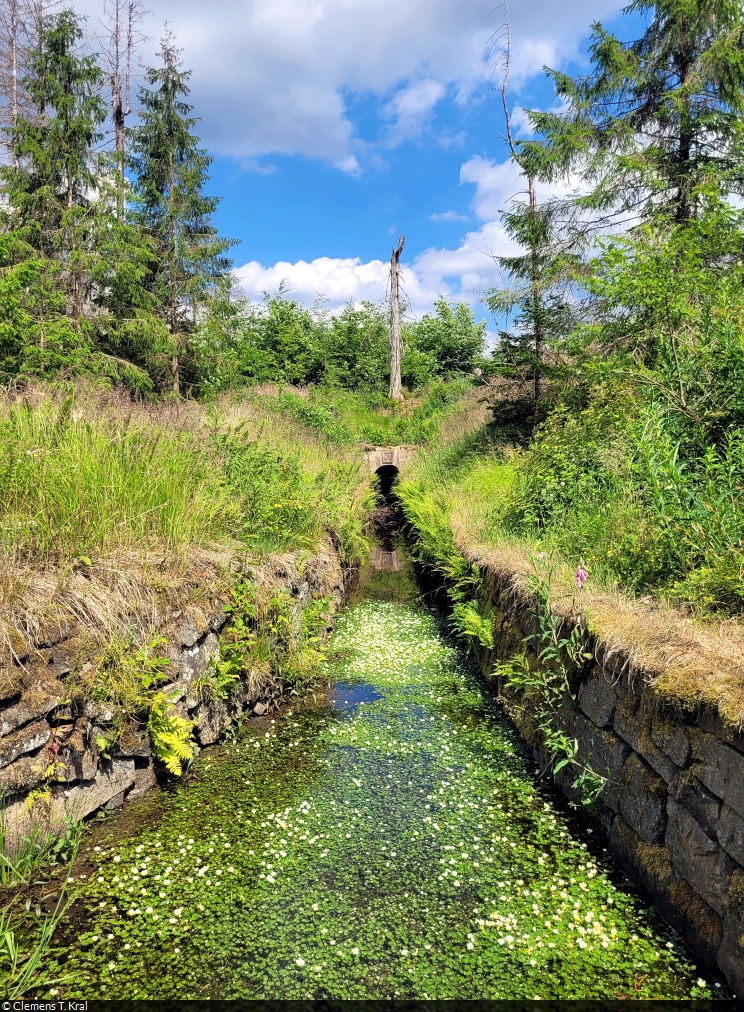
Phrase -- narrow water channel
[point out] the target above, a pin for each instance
(394, 843)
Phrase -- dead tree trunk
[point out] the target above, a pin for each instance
(395, 346)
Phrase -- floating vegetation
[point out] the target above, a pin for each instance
(397, 845)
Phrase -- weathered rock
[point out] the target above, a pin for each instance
(643, 798)
(730, 833)
(670, 735)
(218, 616)
(19, 743)
(35, 702)
(632, 721)
(598, 698)
(210, 721)
(702, 805)
(650, 865)
(23, 774)
(144, 778)
(115, 778)
(134, 741)
(698, 857)
(260, 709)
(720, 767)
(714, 724)
(116, 802)
(100, 711)
(603, 752)
(78, 765)
(731, 953)
(192, 662)
(10, 684)
(193, 626)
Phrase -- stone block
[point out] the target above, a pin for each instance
(714, 724)
(100, 711)
(643, 798)
(649, 864)
(704, 806)
(210, 722)
(698, 857)
(603, 752)
(116, 802)
(18, 743)
(670, 735)
(193, 661)
(720, 767)
(10, 684)
(260, 709)
(133, 741)
(23, 774)
(730, 833)
(144, 778)
(193, 626)
(731, 953)
(218, 616)
(629, 720)
(37, 701)
(115, 778)
(81, 765)
(598, 698)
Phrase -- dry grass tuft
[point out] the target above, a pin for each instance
(690, 663)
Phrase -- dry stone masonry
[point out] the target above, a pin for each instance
(673, 809)
(51, 771)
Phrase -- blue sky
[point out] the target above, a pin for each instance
(338, 124)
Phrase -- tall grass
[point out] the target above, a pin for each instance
(80, 478)
(343, 416)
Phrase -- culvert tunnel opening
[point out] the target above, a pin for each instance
(386, 516)
(386, 478)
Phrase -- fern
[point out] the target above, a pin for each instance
(467, 621)
(170, 735)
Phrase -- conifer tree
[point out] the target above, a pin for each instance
(657, 118)
(54, 165)
(170, 205)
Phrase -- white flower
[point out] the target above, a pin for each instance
(300, 961)
(404, 952)
(112, 966)
(700, 982)
(355, 952)
(116, 859)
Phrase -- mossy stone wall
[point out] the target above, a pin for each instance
(673, 809)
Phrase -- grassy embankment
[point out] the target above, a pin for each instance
(107, 508)
(573, 497)
(103, 502)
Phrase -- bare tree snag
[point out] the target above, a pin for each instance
(395, 346)
(121, 38)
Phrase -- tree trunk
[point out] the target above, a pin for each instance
(395, 347)
(536, 297)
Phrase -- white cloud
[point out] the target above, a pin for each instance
(448, 216)
(410, 109)
(461, 273)
(273, 76)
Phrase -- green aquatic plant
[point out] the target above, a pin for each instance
(397, 846)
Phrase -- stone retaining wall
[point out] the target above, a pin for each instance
(673, 810)
(43, 728)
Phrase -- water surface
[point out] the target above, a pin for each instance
(395, 844)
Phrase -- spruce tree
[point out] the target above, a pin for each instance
(170, 205)
(538, 306)
(53, 162)
(657, 119)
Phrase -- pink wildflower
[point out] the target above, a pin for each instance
(581, 577)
